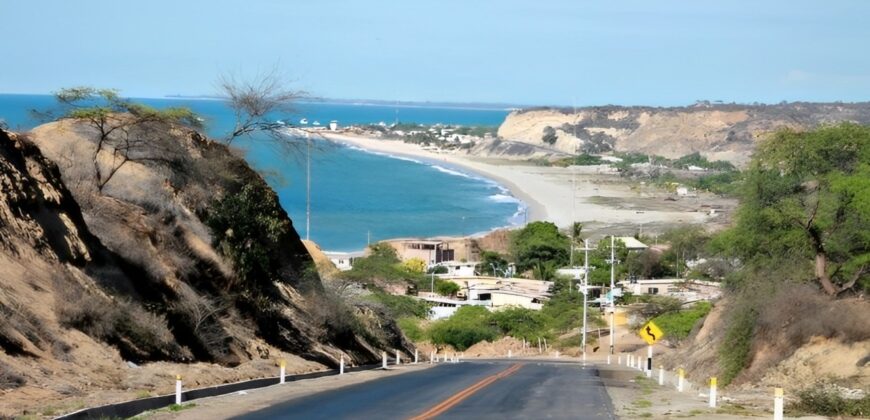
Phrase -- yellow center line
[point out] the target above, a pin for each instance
(451, 402)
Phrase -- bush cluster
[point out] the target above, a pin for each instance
(678, 325)
(827, 400)
(138, 334)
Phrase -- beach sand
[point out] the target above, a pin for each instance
(601, 199)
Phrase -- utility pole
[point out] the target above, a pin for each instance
(612, 287)
(585, 291)
(308, 191)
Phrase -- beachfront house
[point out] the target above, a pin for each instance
(430, 251)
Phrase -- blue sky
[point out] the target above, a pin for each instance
(526, 52)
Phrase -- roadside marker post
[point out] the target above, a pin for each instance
(341, 366)
(177, 389)
(431, 357)
(283, 367)
(608, 359)
(777, 403)
(649, 361)
(509, 354)
(384, 360)
(398, 357)
(416, 356)
(619, 360)
(713, 392)
(681, 374)
(661, 375)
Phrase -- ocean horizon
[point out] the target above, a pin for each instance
(357, 195)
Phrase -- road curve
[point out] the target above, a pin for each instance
(498, 389)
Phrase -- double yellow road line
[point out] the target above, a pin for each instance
(460, 396)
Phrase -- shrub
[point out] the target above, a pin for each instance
(411, 327)
(402, 306)
(10, 379)
(827, 400)
(549, 136)
(468, 326)
(247, 227)
(138, 334)
(678, 325)
(521, 323)
(446, 288)
(734, 352)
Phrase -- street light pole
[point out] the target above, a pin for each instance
(612, 286)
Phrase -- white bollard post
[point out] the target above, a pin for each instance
(630, 361)
(649, 362)
(398, 357)
(539, 346)
(608, 359)
(341, 366)
(384, 360)
(431, 357)
(416, 356)
(661, 375)
(777, 403)
(619, 360)
(713, 392)
(557, 355)
(177, 389)
(681, 374)
(509, 354)
(283, 373)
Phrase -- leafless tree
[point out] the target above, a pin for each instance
(259, 105)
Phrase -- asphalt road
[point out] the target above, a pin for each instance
(468, 390)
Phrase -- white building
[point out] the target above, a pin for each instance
(457, 268)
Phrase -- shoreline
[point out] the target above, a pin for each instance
(592, 195)
(396, 148)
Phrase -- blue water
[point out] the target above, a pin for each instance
(354, 194)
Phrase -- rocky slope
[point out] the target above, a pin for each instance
(718, 132)
(117, 253)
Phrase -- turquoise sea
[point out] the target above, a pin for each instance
(355, 195)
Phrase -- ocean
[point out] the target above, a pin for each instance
(356, 196)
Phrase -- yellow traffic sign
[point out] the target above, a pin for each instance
(651, 333)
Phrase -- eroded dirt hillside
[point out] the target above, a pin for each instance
(125, 260)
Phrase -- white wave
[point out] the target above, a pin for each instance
(452, 172)
(503, 198)
(372, 152)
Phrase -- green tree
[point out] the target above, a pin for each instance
(599, 262)
(539, 245)
(246, 227)
(446, 288)
(807, 196)
(492, 263)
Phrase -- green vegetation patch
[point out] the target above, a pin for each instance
(678, 325)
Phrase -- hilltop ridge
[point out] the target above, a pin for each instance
(727, 132)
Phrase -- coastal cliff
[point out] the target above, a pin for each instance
(717, 131)
(169, 249)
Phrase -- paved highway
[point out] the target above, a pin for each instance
(469, 390)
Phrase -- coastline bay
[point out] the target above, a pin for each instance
(356, 195)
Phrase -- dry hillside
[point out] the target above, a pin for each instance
(109, 271)
(718, 132)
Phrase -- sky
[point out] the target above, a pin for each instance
(541, 52)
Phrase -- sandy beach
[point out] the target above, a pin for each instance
(601, 199)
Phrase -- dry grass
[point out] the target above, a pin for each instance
(138, 334)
